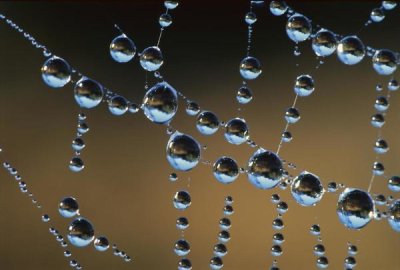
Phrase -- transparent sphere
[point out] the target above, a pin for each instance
(182, 200)
(160, 103)
(216, 263)
(236, 131)
(173, 177)
(170, 4)
(315, 229)
(287, 136)
(88, 93)
(384, 62)
(389, 5)
(319, 250)
(56, 72)
(182, 247)
(224, 236)
(298, 28)
(151, 59)
(381, 146)
(182, 223)
(378, 168)
(394, 183)
(350, 50)
(133, 108)
(165, 20)
(350, 262)
(292, 115)
(332, 187)
(282, 207)
(377, 15)
(192, 108)
(78, 144)
(307, 189)
(278, 7)
(76, 164)
(220, 250)
(228, 210)
(377, 120)
(101, 243)
(80, 232)
(183, 152)
(184, 264)
(277, 224)
(324, 43)
(355, 208)
(381, 103)
(244, 95)
(68, 207)
(82, 128)
(304, 85)
(228, 200)
(226, 170)
(122, 49)
(45, 218)
(207, 123)
(225, 223)
(394, 215)
(250, 18)
(393, 85)
(250, 68)
(118, 105)
(278, 238)
(276, 250)
(264, 169)
(275, 198)
(322, 262)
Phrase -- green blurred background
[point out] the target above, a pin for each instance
(124, 189)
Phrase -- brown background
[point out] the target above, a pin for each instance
(124, 189)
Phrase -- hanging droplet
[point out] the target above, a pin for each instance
(389, 5)
(287, 137)
(216, 263)
(275, 198)
(151, 59)
(350, 50)
(224, 236)
(355, 208)
(80, 232)
(133, 108)
(381, 146)
(319, 250)
(250, 68)
(379, 87)
(45, 218)
(67, 253)
(56, 72)
(304, 85)
(182, 223)
(122, 49)
(250, 18)
(307, 189)
(182, 247)
(394, 183)
(277, 224)
(76, 164)
(82, 128)
(236, 131)
(324, 43)
(282, 207)
(278, 7)
(244, 95)
(170, 4)
(228, 210)
(225, 170)
(377, 15)
(276, 250)
(377, 120)
(380, 199)
(278, 238)
(101, 243)
(160, 103)
(381, 103)
(173, 177)
(378, 168)
(315, 229)
(207, 123)
(78, 144)
(298, 28)
(350, 262)
(88, 93)
(229, 200)
(225, 223)
(393, 85)
(182, 200)
(183, 152)
(192, 108)
(322, 262)
(292, 115)
(394, 215)
(384, 62)
(264, 169)
(68, 207)
(184, 264)
(220, 250)
(118, 105)
(332, 187)
(165, 20)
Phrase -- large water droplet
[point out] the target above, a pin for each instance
(236, 131)
(298, 28)
(322, 262)
(244, 95)
(304, 85)
(394, 183)
(250, 68)
(265, 169)
(88, 93)
(165, 20)
(68, 207)
(225, 170)
(192, 108)
(101, 243)
(278, 7)
(80, 232)
(118, 105)
(307, 189)
(220, 250)
(324, 43)
(122, 49)
(76, 164)
(207, 123)
(216, 263)
(56, 72)
(351, 50)
(183, 152)
(182, 247)
(151, 59)
(384, 62)
(182, 200)
(377, 15)
(292, 115)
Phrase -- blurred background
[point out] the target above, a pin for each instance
(124, 189)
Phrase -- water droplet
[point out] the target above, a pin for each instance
(277, 224)
(276, 250)
(220, 250)
(224, 236)
(381, 103)
(160, 103)
(384, 62)
(82, 128)
(377, 120)
(381, 146)
(192, 108)
(350, 262)
(118, 105)
(250, 68)
(377, 15)
(151, 59)
(319, 250)
(355, 208)
(282, 207)
(244, 95)
(45, 218)
(78, 144)
(228, 210)
(80, 232)
(250, 18)
(315, 230)
(182, 200)
(171, 4)
(389, 5)
(216, 263)
(394, 183)
(67, 253)
(122, 49)
(324, 43)
(101, 243)
(278, 7)
(352, 249)
(56, 72)
(184, 264)
(133, 108)
(379, 87)
(298, 28)
(182, 223)
(73, 263)
(292, 115)
(165, 20)
(394, 215)
(228, 200)
(88, 93)
(173, 177)
(393, 85)
(207, 123)
(278, 238)
(264, 169)
(275, 198)
(236, 131)
(76, 164)
(307, 189)
(351, 50)
(182, 247)
(183, 152)
(68, 207)
(225, 223)
(225, 170)
(304, 85)
(378, 168)
(322, 262)
(287, 137)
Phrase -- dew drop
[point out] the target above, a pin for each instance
(350, 50)
(76, 164)
(244, 95)
(182, 200)
(225, 170)
(250, 68)
(278, 7)
(88, 93)
(298, 28)
(384, 62)
(394, 183)
(192, 108)
(182, 247)
(80, 232)
(304, 85)
(307, 189)
(207, 123)
(216, 263)
(101, 243)
(220, 250)
(165, 20)
(56, 72)
(68, 207)
(183, 152)
(182, 223)
(122, 49)
(324, 43)
(151, 59)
